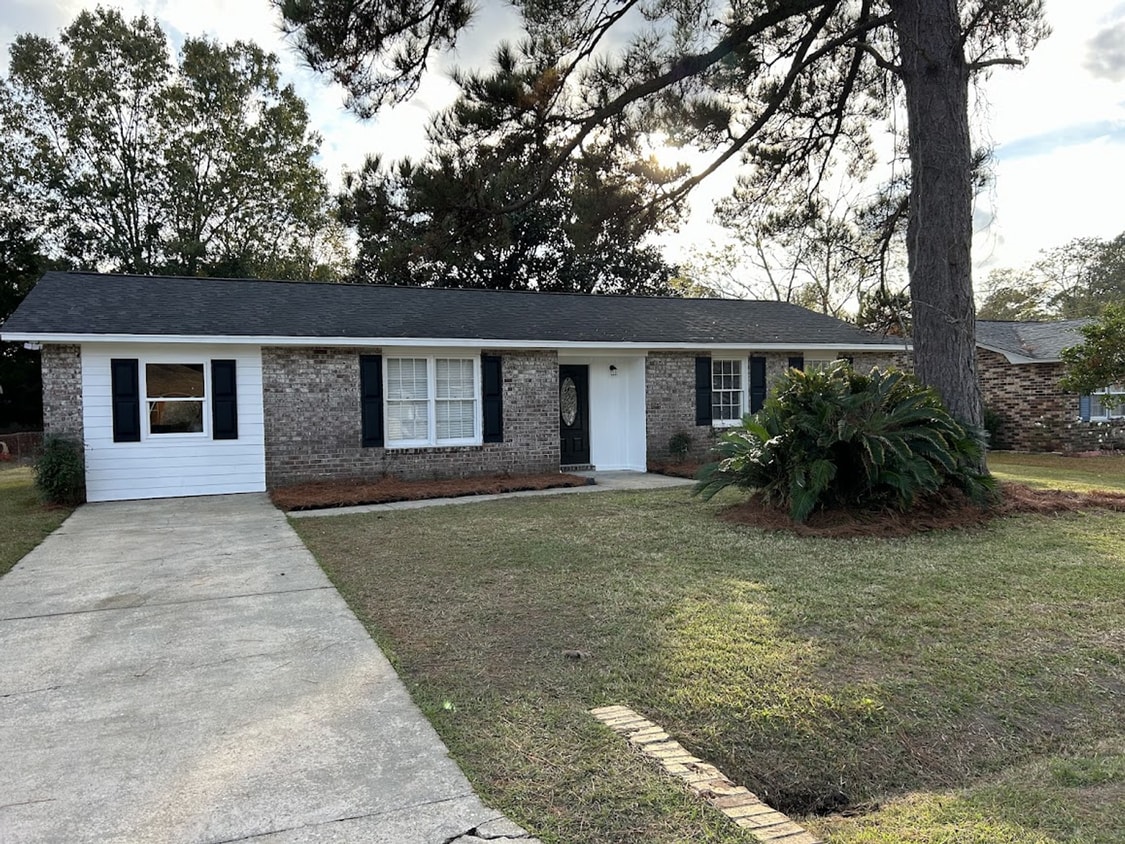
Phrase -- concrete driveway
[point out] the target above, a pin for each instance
(182, 671)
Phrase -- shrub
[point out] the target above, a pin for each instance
(60, 472)
(836, 438)
(995, 425)
(679, 445)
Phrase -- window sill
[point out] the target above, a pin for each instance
(432, 449)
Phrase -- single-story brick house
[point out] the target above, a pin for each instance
(188, 386)
(1020, 364)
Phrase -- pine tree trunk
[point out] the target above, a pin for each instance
(940, 229)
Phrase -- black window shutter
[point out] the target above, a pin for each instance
(1084, 408)
(125, 380)
(492, 395)
(757, 383)
(371, 399)
(797, 362)
(224, 400)
(703, 391)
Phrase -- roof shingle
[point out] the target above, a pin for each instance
(98, 304)
(1040, 341)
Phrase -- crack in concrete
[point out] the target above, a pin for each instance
(476, 834)
(253, 835)
(28, 802)
(479, 833)
(166, 603)
(30, 691)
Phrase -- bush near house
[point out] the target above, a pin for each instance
(60, 472)
(835, 438)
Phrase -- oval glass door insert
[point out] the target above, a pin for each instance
(568, 401)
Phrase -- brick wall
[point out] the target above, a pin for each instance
(670, 394)
(670, 404)
(866, 361)
(62, 390)
(312, 421)
(1035, 415)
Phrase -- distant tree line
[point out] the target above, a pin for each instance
(1078, 279)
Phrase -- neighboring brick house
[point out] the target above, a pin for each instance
(1020, 366)
(188, 386)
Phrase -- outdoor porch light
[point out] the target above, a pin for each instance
(612, 370)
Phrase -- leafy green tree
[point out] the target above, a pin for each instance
(1013, 295)
(791, 85)
(1099, 361)
(21, 388)
(885, 311)
(430, 222)
(1097, 280)
(1077, 279)
(134, 162)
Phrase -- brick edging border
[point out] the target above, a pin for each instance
(705, 780)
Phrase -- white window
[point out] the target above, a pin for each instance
(728, 391)
(175, 395)
(1108, 403)
(432, 401)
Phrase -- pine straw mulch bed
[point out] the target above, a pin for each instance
(948, 510)
(675, 468)
(315, 495)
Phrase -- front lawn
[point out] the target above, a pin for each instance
(1054, 471)
(950, 687)
(24, 522)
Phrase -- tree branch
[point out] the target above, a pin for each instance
(1007, 61)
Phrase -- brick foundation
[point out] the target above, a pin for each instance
(312, 421)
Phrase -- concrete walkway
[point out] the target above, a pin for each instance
(182, 671)
(603, 482)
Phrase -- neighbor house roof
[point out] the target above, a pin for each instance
(68, 307)
(1030, 342)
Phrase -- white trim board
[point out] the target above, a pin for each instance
(444, 343)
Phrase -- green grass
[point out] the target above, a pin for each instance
(24, 522)
(1053, 471)
(958, 687)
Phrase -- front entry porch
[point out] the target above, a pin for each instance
(602, 413)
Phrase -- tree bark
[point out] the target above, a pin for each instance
(940, 230)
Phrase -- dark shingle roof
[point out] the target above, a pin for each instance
(1040, 341)
(95, 304)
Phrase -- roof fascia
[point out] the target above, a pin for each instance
(1014, 357)
(435, 342)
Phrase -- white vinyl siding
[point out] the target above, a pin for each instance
(164, 465)
(431, 401)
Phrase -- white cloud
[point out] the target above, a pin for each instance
(1059, 134)
(1048, 199)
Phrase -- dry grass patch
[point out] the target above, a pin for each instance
(821, 674)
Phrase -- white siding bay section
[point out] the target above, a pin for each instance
(618, 439)
(171, 465)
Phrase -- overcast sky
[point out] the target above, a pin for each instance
(1058, 126)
